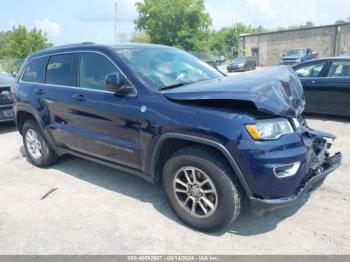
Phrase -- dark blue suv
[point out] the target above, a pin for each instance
(164, 115)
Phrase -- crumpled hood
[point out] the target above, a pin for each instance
(275, 90)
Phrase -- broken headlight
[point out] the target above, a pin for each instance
(269, 129)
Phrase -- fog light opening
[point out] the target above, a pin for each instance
(287, 170)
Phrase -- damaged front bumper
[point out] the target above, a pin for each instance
(315, 179)
(6, 113)
(320, 165)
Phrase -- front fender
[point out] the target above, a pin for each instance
(203, 141)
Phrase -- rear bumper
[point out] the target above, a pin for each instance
(261, 206)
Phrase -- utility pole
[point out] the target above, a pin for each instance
(235, 33)
(115, 22)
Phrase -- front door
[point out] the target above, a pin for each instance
(108, 124)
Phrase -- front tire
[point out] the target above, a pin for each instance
(38, 150)
(201, 189)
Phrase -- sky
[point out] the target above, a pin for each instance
(71, 21)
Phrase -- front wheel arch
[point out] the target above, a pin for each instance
(190, 140)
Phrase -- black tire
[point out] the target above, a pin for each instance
(48, 156)
(227, 188)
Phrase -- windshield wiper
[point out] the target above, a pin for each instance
(173, 86)
(185, 84)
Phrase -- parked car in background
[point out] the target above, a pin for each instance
(298, 55)
(6, 112)
(162, 114)
(211, 59)
(326, 84)
(242, 63)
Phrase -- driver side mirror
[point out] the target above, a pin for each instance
(117, 84)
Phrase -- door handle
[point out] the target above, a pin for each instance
(39, 92)
(313, 82)
(79, 98)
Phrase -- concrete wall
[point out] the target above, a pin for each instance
(326, 41)
(344, 39)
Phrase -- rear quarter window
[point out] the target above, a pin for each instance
(35, 70)
(340, 69)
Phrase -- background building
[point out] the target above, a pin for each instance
(268, 47)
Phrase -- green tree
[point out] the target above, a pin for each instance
(260, 29)
(309, 24)
(20, 42)
(339, 22)
(225, 41)
(181, 23)
(140, 37)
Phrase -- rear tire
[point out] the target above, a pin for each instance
(38, 150)
(224, 192)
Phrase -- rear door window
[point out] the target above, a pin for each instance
(35, 71)
(340, 69)
(62, 70)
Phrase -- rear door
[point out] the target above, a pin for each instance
(61, 80)
(108, 124)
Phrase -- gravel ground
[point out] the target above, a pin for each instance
(97, 210)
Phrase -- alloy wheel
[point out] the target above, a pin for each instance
(33, 144)
(195, 192)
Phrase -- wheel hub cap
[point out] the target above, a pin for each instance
(195, 192)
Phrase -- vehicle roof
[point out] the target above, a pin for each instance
(300, 48)
(333, 58)
(90, 45)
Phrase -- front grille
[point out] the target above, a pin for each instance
(5, 98)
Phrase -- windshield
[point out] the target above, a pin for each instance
(167, 67)
(6, 79)
(296, 52)
(239, 60)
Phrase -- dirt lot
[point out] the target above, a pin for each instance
(97, 210)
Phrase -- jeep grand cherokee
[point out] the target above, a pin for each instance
(162, 114)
